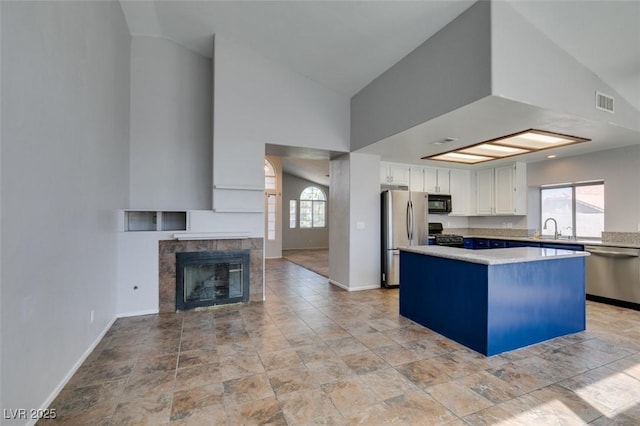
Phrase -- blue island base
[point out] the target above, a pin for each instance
(494, 308)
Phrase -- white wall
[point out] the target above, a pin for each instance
(544, 75)
(65, 170)
(619, 169)
(354, 222)
(257, 101)
(364, 224)
(340, 219)
(171, 129)
(297, 238)
(448, 71)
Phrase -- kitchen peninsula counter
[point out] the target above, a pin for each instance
(495, 256)
(494, 300)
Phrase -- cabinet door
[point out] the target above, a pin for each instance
(459, 189)
(399, 174)
(430, 180)
(384, 173)
(504, 190)
(416, 179)
(444, 181)
(484, 192)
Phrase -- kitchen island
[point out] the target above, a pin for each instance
(494, 300)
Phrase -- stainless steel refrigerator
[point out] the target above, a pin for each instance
(404, 223)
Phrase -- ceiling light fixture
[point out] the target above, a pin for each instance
(531, 140)
(551, 156)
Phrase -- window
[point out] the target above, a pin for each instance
(292, 213)
(312, 208)
(578, 209)
(269, 175)
(271, 206)
(271, 217)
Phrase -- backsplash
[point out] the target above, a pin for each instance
(621, 238)
(490, 232)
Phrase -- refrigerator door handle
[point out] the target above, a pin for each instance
(408, 224)
(411, 223)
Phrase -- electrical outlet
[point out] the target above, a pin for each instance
(92, 317)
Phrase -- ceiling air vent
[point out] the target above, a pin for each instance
(604, 102)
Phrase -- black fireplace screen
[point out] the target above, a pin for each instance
(208, 278)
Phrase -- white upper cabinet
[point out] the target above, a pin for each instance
(502, 191)
(394, 174)
(460, 183)
(416, 179)
(484, 192)
(436, 180)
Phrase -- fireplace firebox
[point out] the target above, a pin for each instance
(208, 278)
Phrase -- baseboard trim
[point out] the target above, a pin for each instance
(337, 284)
(368, 287)
(306, 248)
(73, 370)
(138, 313)
(344, 287)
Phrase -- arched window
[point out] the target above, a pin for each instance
(269, 175)
(313, 208)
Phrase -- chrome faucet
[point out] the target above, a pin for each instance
(555, 232)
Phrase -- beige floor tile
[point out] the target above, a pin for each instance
(605, 389)
(417, 408)
(350, 394)
(346, 345)
(154, 410)
(201, 375)
(364, 362)
(291, 380)
(312, 347)
(307, 405)
(186, 402)
(458, 398)
(387, 383)
(423, 373)
(263, 411)
(396, 354)
(247, 389)
(490, 387)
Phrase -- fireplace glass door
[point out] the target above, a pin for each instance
(211, 278)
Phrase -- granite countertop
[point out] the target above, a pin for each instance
(544, 239)
(495, 256)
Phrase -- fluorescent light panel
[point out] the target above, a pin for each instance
(507, 146)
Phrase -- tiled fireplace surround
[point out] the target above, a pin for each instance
(167, 262)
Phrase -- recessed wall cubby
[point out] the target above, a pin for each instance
(146, 220)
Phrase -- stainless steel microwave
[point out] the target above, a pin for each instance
(439, 203)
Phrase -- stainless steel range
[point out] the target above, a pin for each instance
(440, 239)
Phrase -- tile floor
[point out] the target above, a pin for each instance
(316, 260)
(314, 354)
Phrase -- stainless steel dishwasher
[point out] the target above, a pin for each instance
(614, 273)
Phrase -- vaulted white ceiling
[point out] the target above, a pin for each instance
(344, 45)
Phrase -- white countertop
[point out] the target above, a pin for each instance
(545, 239)
(495, 256)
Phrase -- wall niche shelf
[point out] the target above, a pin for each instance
(238, 188)
(149, 220)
